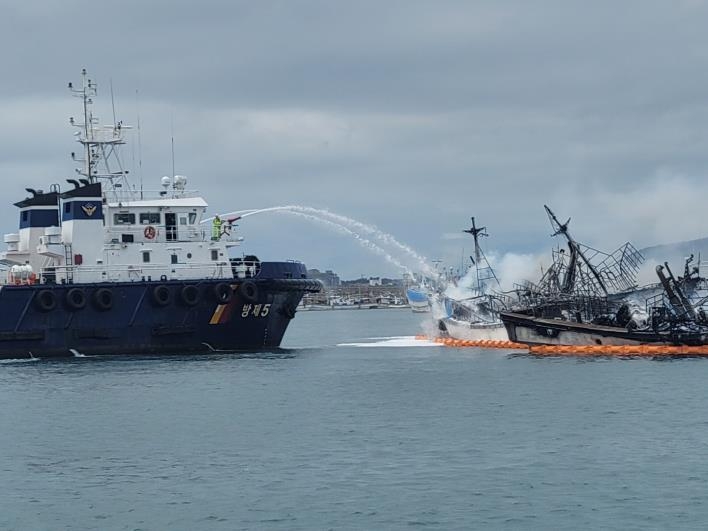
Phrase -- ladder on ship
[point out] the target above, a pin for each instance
(69, 263)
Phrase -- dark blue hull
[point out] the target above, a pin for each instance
(192, 316)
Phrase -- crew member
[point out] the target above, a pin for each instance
(216, 228)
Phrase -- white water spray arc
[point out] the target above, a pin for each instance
(352, 227)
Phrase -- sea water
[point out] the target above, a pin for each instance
(354, 425)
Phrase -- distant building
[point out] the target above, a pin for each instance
(356, 281)
(374, 281)
(329, 278)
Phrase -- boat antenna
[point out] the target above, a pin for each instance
(113, 103)
(172, 131)
(86, 92)
(140, 144)
(562, 228)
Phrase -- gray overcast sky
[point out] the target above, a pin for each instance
(408, 115)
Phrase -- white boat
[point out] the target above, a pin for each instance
(476, 317)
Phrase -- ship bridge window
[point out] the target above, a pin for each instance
(67, 207)
(25, 216)
(149, 218)
(124, 218)
(192, 218)
(182, 220)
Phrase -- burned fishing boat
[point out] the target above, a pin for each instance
(475, 315)
(588, 297)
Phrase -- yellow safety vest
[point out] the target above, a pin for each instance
(216, 228)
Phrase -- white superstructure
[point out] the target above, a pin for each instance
(102, 228)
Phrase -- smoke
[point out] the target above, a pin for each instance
(513, 268)
(464, 288)
(662, 208)
(510, 269)
(647, 272)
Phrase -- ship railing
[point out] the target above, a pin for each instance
(59, 274)
(142, 195)
(244, 268)
(178, 233)
(138, 232)
(581, 308)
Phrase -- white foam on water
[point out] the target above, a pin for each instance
(395, 341)
(76, 353)
(18, 360)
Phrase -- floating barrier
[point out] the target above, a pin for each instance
(647, 350)
(481, 343)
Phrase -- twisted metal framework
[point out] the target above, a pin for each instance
(582, 282)
(597, 274)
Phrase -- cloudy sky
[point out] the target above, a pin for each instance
(409, 115)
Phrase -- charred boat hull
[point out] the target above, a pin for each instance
(176, 317)
(532, 330)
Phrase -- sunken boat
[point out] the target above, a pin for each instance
(588, 297)
(102, 266)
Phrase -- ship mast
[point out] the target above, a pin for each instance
(476, 233)
(575, 253)
(100, 144)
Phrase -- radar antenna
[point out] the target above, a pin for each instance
(100, 143)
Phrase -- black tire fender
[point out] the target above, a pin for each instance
(189, 295)
(75, 299)
(45, 300)
(223, 293)
(103, 299)
(249, 290)
(161, 295)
